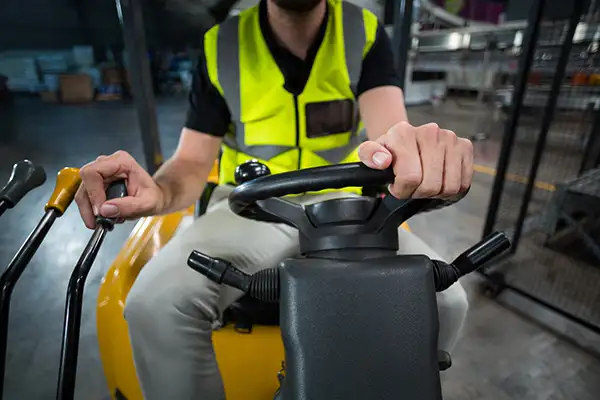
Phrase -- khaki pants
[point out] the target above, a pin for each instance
(172, 309)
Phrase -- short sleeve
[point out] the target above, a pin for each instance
(378, 65)
(207, 111)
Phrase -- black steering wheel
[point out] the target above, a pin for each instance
(259, 197)
(258, 184)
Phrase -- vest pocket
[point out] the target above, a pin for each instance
(329, 118)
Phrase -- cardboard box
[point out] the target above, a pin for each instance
(76, 88)
(112, 76)
(49, 97)
(109, 97)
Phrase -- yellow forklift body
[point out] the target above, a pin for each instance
(248, 362)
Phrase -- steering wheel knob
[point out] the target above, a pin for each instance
(250, 170)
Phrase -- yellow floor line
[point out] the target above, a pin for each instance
(514, 178)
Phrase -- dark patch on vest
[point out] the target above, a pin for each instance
(329, 118)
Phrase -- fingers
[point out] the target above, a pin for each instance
(85, 207)
(407, 163)
(105, 169)
(144, 195)
(126, 208)
(428, 162)
(432, 148)
(121, 209)
(453, 170)
(374, 155)
(465, 147)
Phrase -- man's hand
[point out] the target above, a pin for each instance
(144, 196)
(427, 161)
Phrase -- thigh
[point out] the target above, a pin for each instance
(249, 245)
(452, 299)
(409, 243)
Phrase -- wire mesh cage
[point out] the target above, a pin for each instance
(549, 200)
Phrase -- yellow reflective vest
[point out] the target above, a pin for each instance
(270, 124)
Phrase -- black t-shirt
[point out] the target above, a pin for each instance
(208, 111)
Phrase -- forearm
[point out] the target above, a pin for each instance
(382, 108)
(181, 182)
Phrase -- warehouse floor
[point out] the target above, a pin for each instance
(501, 356)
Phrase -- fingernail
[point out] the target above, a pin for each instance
(109, 210)
(96, 211)
(380, 158)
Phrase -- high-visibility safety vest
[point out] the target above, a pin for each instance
(269, 124)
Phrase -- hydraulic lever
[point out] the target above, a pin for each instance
(469, 261)
(25, 177)
(67, 183)
(74, 302)
(264, 285)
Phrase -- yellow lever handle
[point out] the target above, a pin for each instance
(67, 183)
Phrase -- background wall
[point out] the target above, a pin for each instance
(557, 9)
(477, 10)
(56, 24)
(26, 24)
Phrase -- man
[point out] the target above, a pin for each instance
(281, 82)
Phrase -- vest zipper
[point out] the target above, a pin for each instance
(297, 130)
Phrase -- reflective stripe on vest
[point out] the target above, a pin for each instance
(228, 62)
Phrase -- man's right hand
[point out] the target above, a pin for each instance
(145, 196)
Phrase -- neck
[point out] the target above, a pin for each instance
(295, 31)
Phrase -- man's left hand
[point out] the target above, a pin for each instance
(428, 161)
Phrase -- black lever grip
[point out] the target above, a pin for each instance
(250, 170)
(25, 177)
(471, 260)
(219, 271)
(483, 252)
(115, 190)
(263, 285)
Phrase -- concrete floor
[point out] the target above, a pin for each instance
(501, 356)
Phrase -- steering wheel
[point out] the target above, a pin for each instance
(259, 197)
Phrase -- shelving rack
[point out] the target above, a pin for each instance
(552, 273)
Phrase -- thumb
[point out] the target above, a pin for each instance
(127, 207)
(374, 155)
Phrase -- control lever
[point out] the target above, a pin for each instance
(471, 260)
(74, 303)
(264, 285)
(25, 177)
(249, 171)
(67, 183)
(444, 360)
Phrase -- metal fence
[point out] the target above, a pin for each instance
(547, 190)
